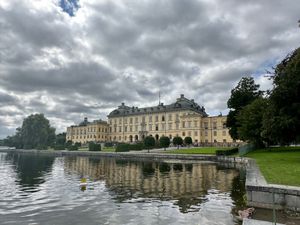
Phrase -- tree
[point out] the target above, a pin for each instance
(36, 131)
(250, 121)
(177, 141)
(188, 141)
(164, 142)
(60, 139)
(282, 120)
(149, 142)
(243, 94)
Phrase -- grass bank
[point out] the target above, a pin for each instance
(279, 165)
(203, 150)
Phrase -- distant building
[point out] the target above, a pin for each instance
(182, 118)
(96, 131)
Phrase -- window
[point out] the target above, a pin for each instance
(170, 126)
(195, 123)
(205, 125)
(150, 118)
(189, 124)
(136, 127)
(163, 126)
(125, 128)
(215, 141)
(130, 128)
(183, 134)
(170, 117)
(130, 120)
(156, 118)
(215, 125)
(195, 133)
(206, 133)
(190, 133)
(120, 121)
(120, 129)
(120, 138)
(177, 116)
(150, 127)
(125, 120)
(143, 119)
(177, 126)
(136, 119)
(224, 140)
(156, 127)
(163, 118)
(224, 125)
(215, 133)
(224, 132)
(183, 124)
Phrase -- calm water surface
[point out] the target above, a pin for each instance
(39, 189)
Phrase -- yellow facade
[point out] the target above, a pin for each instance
(96, 131)
(130, 124)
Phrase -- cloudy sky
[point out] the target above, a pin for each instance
(76, 58)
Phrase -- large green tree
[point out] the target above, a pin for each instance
(250, 122)
(243, 94)
(36, 131)
(282, 119)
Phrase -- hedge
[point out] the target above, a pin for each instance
(73, 148)
(123, 147)
(227, 152)
(94, 147)
(59, 147)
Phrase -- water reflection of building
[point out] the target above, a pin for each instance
(187, 183)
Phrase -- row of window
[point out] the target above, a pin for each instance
(85, 131)
(88, 137)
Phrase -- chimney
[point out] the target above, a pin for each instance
(123, 103)
(182, 96)
(85, 119)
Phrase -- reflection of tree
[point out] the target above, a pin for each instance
(31, 168)
(164, 167)
(177, 167)
(147, 168)
(238, 191)
(186, 203)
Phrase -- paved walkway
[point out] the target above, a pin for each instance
(258, 222)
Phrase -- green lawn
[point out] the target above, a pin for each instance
(108, 149)
(204, 150)
(279, 165)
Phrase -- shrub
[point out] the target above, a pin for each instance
(42, 147)
(94, 147)
(227, 152)
(164, 142)
(188, 141)
(78, 144)
(177, 141)
(108, 144)
(122, 147)
(137, 146)
(72, 148)
(68, 143)
(59, 147)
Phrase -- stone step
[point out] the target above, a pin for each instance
(258, 222)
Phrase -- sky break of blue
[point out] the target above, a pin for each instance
(69, 6)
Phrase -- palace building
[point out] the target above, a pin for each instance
(131, 124)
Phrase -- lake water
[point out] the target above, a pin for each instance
(40, 189)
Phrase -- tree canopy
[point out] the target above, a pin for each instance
(243, 94)
(35, 132)
(282, 121)
(177, 141)
(164, 142)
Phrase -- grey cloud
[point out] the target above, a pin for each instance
(112, 52)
